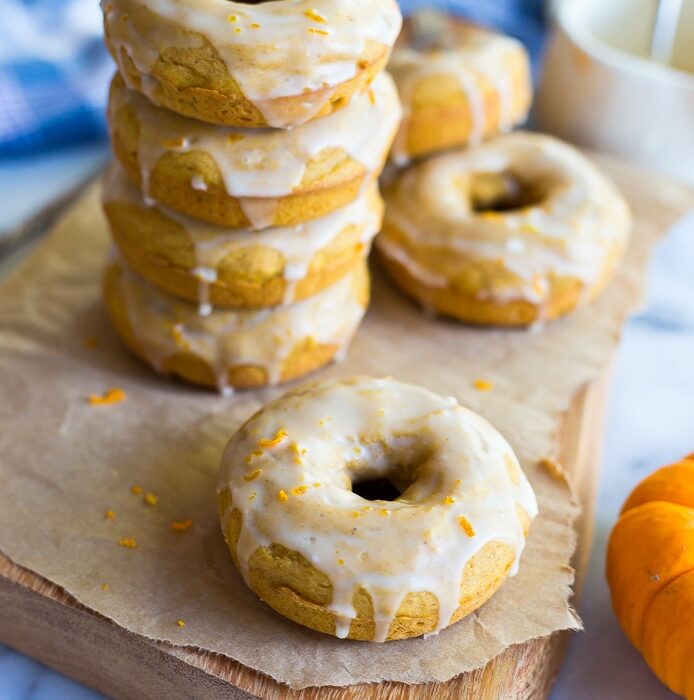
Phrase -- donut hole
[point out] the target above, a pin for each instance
(378, 489)
(504, 192)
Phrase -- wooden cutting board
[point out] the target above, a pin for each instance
(42, 620)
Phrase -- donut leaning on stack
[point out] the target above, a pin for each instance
(245, 199)
(508, 229)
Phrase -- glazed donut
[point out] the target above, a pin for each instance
(521, 229)
(441, 520)
(238, 268)
(254, 177)
(459, 84)
(277, 64)
(234, 349)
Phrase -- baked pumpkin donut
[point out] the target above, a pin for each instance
(371, 509)
(521, 229)
(277, 64)
(238, 268)
(254, 177)
(459, 84)
(234, 349)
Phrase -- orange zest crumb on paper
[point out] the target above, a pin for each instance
(181, 526)
(552, 467)
(466, 525)
(110, 396)
(151, 499)
(483, 385)
(282, 496)
(299, 490)
(181, 623)
(128, 543)
(449, 500)
(135, 489)
(105, 587)
(110, 514)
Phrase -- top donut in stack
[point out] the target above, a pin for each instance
(249, 139)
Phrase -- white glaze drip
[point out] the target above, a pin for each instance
(459, 466)
(298, 244)
(165, 326)
(570, 233)
(307, 57)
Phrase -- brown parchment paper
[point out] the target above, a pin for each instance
(63, 463)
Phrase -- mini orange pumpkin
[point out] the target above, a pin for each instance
(650, 570)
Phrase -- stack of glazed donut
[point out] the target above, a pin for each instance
(481, 225)
(249, 138)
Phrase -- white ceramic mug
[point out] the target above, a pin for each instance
(601, 89)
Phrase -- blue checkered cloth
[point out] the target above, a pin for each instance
(54, 70)
(54, 73)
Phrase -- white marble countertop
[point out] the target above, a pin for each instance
(651, 422)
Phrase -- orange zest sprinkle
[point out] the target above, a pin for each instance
(181, 526)
(110, 514)
(356, 514)
(113, 395)
(511, 468)
(254, 25)
(321, 32)
(238, 30)
(232, 18)
(491, 216)
(529, 228)
(104, 587)
(341, 562)
(294, 447)
(181, 623)
(136, 489)
(233, 138)
(281, 434)
(317, 484)
(151, 499)
(282, 496)
(483, 385)
(466, 525)
(252, 475)
(315, 16)
(299, 490)
(449, 500)
(128, 542)
(251, 498)
(178, 142)
(384, 511)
